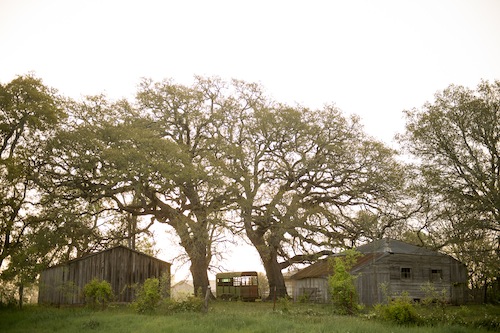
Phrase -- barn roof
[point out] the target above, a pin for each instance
(387, 245)
(322, 268)
(108, 250)
(371, 252)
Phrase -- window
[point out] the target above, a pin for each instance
(225, 282)
(248, 280)
(405, 273)
(436, 275)
(309, 294)
(237, 281)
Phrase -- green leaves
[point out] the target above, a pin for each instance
(203, 158)
(341, 283)
(30, 112)
(457, 140)
(97, 292)
(456, 143)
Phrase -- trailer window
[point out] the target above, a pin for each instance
(224, 282)
(248, 280)
(237, 281)
(254, 280)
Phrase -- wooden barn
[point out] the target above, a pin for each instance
(122, 267)
(391, 265)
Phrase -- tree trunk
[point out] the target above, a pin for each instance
(200, 275)
(277, 287)
(21, 295)
(269, 257)
(131, 230)
(485, 292)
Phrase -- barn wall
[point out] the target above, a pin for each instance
(314, 289)
(387, 271)
(120, 266)
(52, 287)
(458, 282)
(369, 283)
(382, 278)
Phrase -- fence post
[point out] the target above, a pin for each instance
(274, 299)
(207, 298)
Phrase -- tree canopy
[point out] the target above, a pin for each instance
(29, 114)
(456, 143)
(221, 157)
(304, 176)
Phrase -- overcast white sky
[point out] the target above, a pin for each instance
(373, 58)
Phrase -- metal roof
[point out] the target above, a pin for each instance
(323, 268)
(371, 253)
(86, 256)
(387, 245)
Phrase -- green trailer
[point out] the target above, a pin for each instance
(237, 286)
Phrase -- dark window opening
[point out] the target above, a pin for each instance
(436, 275)
(225, 282)
(405, 273)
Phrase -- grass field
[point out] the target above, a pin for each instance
(224, 317)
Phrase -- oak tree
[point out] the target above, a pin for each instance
(303, 176)
(29, 114)
(455, 141)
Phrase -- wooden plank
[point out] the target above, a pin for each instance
(121, 267)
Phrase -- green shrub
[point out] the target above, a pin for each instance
(8, 297)
(148, 296)
(284, 303)
(400, 311)
(434, 296)
(152, 294)
(487, 322)
(97, 292)
(341, 283)
(304, 298)
(189, 304)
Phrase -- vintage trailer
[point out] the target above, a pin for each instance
(237, 286)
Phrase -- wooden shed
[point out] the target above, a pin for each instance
(389, 267)
(122, 267)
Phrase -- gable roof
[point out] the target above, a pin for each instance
(371, 253)
(323, 268)
(387, 245)
(118, 247)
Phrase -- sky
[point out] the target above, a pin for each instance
(372, 58)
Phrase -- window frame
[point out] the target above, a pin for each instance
(406, 273)
(436, 275)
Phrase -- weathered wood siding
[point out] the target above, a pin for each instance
(311, 289)
(381, 277)
(449, 275)
(123, 268)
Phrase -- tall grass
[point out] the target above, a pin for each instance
(222, 317)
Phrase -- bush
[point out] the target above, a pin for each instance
(148, 296)
(190, 304)
(341, 283)
(98, 292)
(487, 322)
(400, 311)
(8, 295)
(434, 296)
(152, 294)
